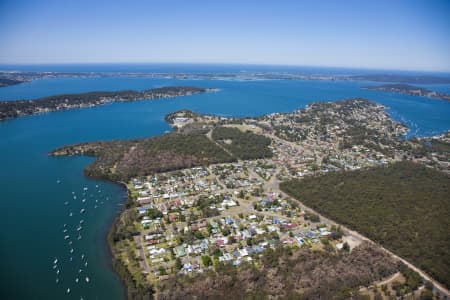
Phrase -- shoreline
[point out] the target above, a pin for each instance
(107, 230)
(117, 264)
(106, 242)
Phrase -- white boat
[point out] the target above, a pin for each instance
(57, 280)
(79, 228)
(55, 261)
(84, 200)
(81, 221)
(58, 181)
(82, 210)
(65, 230)
(67, 202)
(87, 279)
(57, 272)
(82, 256)
(68, 291)
(55, 266)
(66, 237)
(76, 280)
(70, 242)
(71, 250)
(85, 264)
(71, 214)
(71, 258)
(79, 237)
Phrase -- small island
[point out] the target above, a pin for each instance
(17, 108)
(407, 89)
(216, 209)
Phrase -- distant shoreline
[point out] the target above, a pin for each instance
(18, 108)
(410, 90)
(253, 73)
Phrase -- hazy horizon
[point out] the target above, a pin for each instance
(307, 69)
(383, 35)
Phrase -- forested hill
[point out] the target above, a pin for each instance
(405, 207)
(13, 109)
(243, 145)
(121, 160)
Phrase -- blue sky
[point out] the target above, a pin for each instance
(387, 34)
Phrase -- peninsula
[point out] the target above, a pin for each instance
(17, 108)
(409, 90)
(216, 209)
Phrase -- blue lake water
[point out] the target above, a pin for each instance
(33, 215)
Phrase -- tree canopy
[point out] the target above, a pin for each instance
(405, 207)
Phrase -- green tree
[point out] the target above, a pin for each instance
(178, 264)
(206, 261)
(346, 247)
